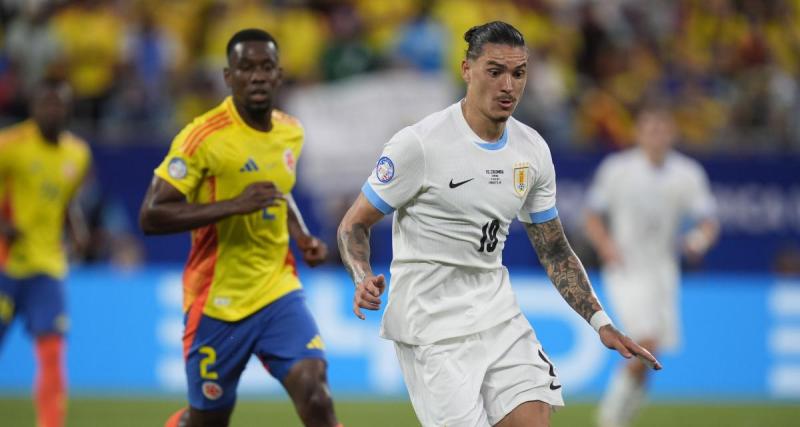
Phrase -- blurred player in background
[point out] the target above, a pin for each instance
(457, 179)
(42, 166)
(228, 178)
(637, 206)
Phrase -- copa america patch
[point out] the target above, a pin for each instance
(384, 170)
(211, 390)
(177, 168)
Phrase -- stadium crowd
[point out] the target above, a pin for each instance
(728, 68)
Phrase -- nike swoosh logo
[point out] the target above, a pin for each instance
(554, 387)
(454, 185)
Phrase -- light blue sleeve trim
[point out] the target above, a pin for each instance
(544, 216)
(375, 199)
(492, 146)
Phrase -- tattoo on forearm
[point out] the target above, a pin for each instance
(563, 266)
(354, 249)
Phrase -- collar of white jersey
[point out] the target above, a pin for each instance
(458, 114)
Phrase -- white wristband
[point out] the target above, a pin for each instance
(600, 319)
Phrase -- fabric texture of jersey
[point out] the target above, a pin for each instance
(37, 181)
(242, 262)
(455, 197)
(647, 208)
(216, 351)
(478, 379)
(39, 300)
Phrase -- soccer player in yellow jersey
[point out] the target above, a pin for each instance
(228, 178)
(41, 168)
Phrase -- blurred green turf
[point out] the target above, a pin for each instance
(16, 412)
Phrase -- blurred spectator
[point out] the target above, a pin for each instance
(347, 54)
(92, 36)
(382, 20)
(144, 92)
(32, 47)
(729, 66)
(421, 43)
(303, 33)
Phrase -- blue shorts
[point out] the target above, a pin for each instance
(38, 299)
(280, 335)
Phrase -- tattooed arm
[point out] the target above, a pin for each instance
(353, 238)
(569, 277)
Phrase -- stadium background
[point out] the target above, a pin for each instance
(356, 72)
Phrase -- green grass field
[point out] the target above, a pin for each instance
(144, 413)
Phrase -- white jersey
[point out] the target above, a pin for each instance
(455, 197)
(647, 205)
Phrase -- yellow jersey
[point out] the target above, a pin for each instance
(241, 263)
(37, 182)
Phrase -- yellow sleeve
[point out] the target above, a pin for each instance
(6, 154)
(185, 164)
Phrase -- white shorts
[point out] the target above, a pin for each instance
(478, 379)
(646, 306)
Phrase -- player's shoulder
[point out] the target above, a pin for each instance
(685, 164)
(528, 136)
(75, 142)
(15, 133)
(286, 119)
(204, 127)
(622, 158)
(425, 131)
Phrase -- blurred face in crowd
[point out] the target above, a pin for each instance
(496, 79)
(253, 74)
(655, 131)
(50, 108)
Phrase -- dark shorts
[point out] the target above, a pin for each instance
(39, 300)
(280, 335)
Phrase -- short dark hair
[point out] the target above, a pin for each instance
(491, 32)
(249, 35)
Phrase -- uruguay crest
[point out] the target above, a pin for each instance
(521, 178)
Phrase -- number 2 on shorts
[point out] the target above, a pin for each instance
(210, 359)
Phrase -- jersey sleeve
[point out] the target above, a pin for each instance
(398, 174)
(6, 157)
(701, 203)
(540, 202)
(185, 164)
(599, 194)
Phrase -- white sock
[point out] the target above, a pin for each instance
(622, 400)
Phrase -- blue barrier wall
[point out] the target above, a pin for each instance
(759, 199)
(741, 338)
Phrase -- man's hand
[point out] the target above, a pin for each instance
(314, 250)
(609, 254)
(8, 232)
(616, 340)
(257, 196)
(368, 294)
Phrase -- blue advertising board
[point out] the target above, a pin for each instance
(741, 339)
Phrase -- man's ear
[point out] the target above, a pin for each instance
(226, 73)
(465, 67)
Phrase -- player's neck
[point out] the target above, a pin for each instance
(486, 128)
(260, 120)
(50, 136)
(655, 157)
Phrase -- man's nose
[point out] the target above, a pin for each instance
(259, 75)
(506, 83)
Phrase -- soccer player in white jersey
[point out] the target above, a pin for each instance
(455, 181)
(638, 203)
